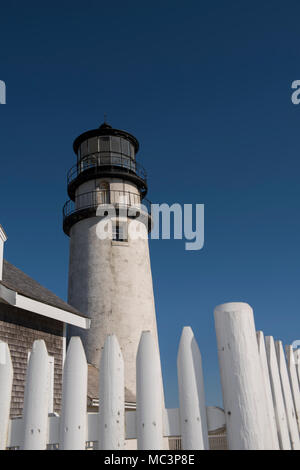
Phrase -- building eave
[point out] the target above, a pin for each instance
(3, 235)
(25, 303)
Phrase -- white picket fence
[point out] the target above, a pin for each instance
(260, 385)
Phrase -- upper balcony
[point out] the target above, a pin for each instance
(106, 164)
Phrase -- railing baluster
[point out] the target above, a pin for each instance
(99, 159)
(91, 200)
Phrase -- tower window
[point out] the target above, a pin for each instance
(119, 231)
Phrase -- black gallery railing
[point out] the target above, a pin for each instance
(106, 159)
(93, 199)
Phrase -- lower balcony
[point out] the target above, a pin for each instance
(86, 205)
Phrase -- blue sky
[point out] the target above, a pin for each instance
(205, 87)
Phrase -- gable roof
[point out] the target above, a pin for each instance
(14, 279)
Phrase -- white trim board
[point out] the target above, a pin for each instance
(3, 235)
(20, 301)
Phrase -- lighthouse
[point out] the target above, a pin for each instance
(109, 278)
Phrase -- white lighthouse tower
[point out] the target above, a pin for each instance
(109, 279)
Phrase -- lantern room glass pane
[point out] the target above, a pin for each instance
(125, 147)
(84, 148)
(131, 150)
(104, 144)
(115, 145)
(93, 145)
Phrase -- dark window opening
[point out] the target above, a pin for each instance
(119, 231)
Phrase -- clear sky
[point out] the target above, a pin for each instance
(205, 87)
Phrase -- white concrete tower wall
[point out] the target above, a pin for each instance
(110, 280)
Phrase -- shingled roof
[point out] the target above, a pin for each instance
(16, 280)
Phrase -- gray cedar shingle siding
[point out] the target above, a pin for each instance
(15, 279)
(20, 328)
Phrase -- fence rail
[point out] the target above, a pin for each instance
(260, 385)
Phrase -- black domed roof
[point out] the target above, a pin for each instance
(105, 129)
(105, 126)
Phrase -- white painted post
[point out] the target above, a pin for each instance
(282, 426)
(274, 443)
(6, 380)
(111, 423)
(241, 377)
(73, 422)
(149, 390)
(193, 425)
(36, 399)
(288, 398)
(294, 381)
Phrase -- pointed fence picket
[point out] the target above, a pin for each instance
(288, 398)
(36, 399)
(297, 363)
(149, 395)
(280, 413)
(6, 380)
(74, 398)
(294, 381)
(111, 391)
(260, 391)
(274, 443)
(241, 377)
(192, 412)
